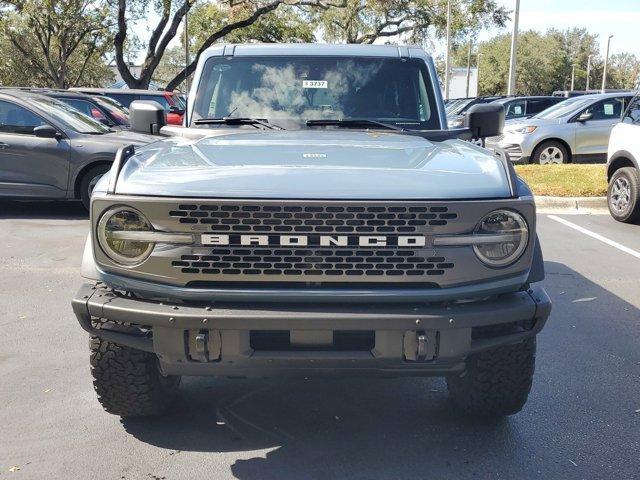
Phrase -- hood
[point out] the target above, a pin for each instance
(308, 164)
(536, 122)
(125, 136)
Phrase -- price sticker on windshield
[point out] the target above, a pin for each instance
(314, 84)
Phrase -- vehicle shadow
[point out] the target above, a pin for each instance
(56, 209)
(405, 428)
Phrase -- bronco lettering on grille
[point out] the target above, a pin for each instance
(316, 240)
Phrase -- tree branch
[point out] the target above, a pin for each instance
(118, 43)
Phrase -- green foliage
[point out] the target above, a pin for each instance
(54, 43)
(286, 24)
(624, 71)
(540, 67)
(364, 21)
(544, 63)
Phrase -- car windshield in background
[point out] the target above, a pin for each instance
(297, 89)
(69, 116)
(116, 110)
(564, 108)
(460, 107)
(179, 101)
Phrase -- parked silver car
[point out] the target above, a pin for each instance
(575, 130)
(50, 150)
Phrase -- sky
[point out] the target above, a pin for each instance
(620, 18)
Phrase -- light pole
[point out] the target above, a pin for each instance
(514, 46)
(186, 58)
(468, 67)
(478, 55)
(573, 76)
(606, 61)
(448, 58)
(588, 72)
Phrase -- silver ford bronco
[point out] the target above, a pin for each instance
(314, 217)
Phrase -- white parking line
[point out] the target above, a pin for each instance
(596, 236)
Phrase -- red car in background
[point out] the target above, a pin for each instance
(172, 102)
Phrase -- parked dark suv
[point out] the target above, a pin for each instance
(103, 109)
(521, 107)
(514, 107)
(50, 150)
(172, 102)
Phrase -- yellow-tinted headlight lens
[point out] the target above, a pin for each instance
(124, 219)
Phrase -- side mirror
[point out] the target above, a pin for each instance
(485, 120)
(105, 121)
(584, 116)
(147, 116)
(46, 131)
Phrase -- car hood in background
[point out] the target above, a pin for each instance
(537, 122)
(125, 135)
(307, 164)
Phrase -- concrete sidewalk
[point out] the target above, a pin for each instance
(575, 205)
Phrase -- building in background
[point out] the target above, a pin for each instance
(458, 82)
(119, 82)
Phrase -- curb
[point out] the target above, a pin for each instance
(571, 204)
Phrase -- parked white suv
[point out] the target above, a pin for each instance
(623, 166)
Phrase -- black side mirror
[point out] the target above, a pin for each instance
(46, 131)
(147, 116)
(584, 116)
(105, 121)
(485, 120)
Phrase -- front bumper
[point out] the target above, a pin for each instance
(518, 148)
(448, 333)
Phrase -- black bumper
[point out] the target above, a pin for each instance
(451, 331)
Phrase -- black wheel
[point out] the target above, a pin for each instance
(550, 152)
(623, 195)
(88, 182)
(495, 383)
(128, 381)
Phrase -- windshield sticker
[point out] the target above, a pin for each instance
(314, 84)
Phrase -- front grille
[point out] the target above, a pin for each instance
(326, 262)
(250, 243)
(325, 219)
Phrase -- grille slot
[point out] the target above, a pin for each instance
(321, 219)
(312, 261)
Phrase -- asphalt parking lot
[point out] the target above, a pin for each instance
(582, 420)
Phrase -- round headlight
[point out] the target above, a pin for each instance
(121, 247)
(507, 238)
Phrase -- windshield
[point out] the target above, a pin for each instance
(296, 89)
(179, 101)
(68, 116)
(461, 107)
(117, 111)
(564, 108)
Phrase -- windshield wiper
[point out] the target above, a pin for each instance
(238, 121)
(352, 123)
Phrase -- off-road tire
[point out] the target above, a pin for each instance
(632, 213)
(88, 178)
(535, 157)
(495, 383)
(128, 381)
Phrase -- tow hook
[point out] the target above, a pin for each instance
(203, 345)
(419, 346)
